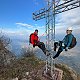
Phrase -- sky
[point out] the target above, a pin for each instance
(16, 18)
(16, 15)
(16, 22)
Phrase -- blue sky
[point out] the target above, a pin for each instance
(16, 18)
(13, 11)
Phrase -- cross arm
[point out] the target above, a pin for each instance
(68, 5)
(39, 14)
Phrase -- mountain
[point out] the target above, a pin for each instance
(71, 57)
(32, 68)
(6, 57)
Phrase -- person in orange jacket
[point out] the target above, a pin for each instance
(34, 40)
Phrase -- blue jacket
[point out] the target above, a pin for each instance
(67, 40)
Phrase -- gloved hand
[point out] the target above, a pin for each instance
(66, 49)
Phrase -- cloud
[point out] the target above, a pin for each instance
(68, 18)
(22, 30)
(25, 25)
(31, 28)
(72, 52)
(18, 33)
(71, 17)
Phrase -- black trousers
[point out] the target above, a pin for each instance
(41, 45)
(56, 44)
(58, 52)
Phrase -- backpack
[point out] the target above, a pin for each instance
(30, 37)
(73, 43)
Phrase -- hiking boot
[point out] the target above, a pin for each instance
(66, 49)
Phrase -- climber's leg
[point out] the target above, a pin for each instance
(59, 51)
(41, 45)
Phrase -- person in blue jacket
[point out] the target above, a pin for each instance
(65, 43)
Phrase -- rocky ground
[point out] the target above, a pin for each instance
(30, 68)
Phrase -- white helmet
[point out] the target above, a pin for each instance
(69, 28)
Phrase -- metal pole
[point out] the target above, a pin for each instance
(48, 25)
(51, 37)
(47, 36)
(46, 46)
(54, 33)
(54, 20)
